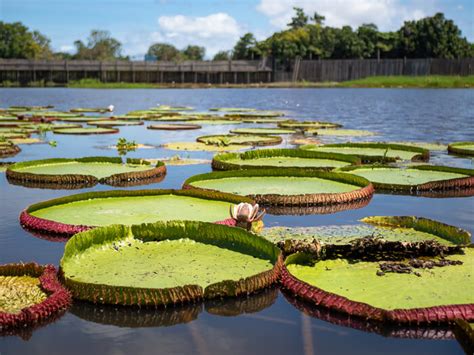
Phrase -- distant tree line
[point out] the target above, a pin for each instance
(306, 37)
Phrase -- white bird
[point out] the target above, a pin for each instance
(110, 108)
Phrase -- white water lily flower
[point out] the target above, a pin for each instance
(246, 213)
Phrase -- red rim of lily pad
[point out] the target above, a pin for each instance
(9, 150)
(63, 230)
(58, 299)
(71, 180)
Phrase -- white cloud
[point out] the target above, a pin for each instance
(67, 48)
(214, 32)
(386, 14)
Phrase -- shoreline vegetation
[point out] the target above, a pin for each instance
(431, 81)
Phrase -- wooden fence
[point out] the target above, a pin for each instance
(352, 69)
(61, 72)
(221, 72)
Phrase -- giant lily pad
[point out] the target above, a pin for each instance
(85, 130)
(341, 132)
(83, 171)
(239, 139)
(29, 295)
(254, 114)
(72, 214)
(286, 186)
(197, 146)
(90, 109)
(304, 125)
(83, 118)
(354, 287)
(174, 127)
(215, 122)
(8, 149)
(416, 178)
(354, 283)
(374, 152)
(167, 263)
(232, 109)
(265, 158)
(259, 131)
(111, 123)
(462, 148)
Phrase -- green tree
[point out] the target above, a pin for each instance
(246, 47)
(347, 44)
(17, 41)
(299, 20)
(222, 55)
(432, 37)
(318, 19)
(100, 46)
(164, 51)
(194, 52)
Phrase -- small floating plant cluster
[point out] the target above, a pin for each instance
(128, 247)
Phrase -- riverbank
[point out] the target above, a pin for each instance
(431, 81)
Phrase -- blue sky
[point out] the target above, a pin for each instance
(215, 24)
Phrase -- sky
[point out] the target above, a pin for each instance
(214, 24)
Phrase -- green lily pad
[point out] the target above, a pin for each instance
(462, 148)
(258, 131)
(90, 109)
(26, 140)
(304, 125)
(167, 262)
(11, 135)
(264, 158)
(87, 166)
(240, 139)
(14, 123)
(423, 177)
(174, 127)
(134, 207)
(341, 132)
(86, 130)
(84, 119)
(232, 109)
(214, 122)
(254, 114)
(358, 281)
(432, 146)
(371, 152)
(285, 186)
(197, 146)
(18, 292)
(107, 123)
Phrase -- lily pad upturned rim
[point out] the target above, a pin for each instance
(365, 191)
(309, 124)
(115, 122)
(262, 131)
(235, 239)
(58, 299)
(46, 226)
(423, 154)
(220, 161)
(86, 130)
(457, 148)
(174, 127)
(436, 314)
(44, 180)
(464, 333)
(253, 139)
(432, 186)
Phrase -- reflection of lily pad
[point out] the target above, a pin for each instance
(264, 158)
(258, 131)
(107, 170)
(415, 178)
(167, 263)
(374, 152)
(286, 186)
(240, 139)
(197, 146)
(72, 214)
(29, 294)
(86, 130)
(462, 148)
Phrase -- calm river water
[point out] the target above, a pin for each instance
(263, 323)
